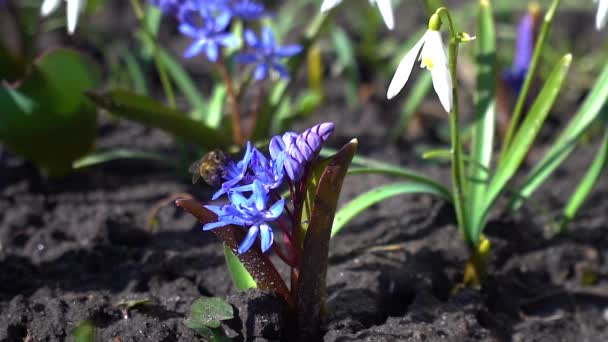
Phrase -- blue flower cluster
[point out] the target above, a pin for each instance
(207, 22)
(251, 183)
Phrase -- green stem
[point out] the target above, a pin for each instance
(160, 67)
(523, 94)
(458, 175)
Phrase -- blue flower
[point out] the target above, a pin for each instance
(168, 7)
(235, 172)
(266, 54)
(300, 149)
(249, 212)
(524, 49)
(246, 9)
(208, 28)
(270, 173)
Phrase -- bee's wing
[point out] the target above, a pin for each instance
(194, 170)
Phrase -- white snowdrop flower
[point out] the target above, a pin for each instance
(431, 53)
(74, 7)
(386, 10)
(602, 14)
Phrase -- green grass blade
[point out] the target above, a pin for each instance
(213, 118)
(526, 134)
(154, 114)
(586, 185)
(482, 142)
(566, 141)
(138, 80)
(523, 94)
(185, 84)
(240, 276)
(412, 102)
(404, 173)
(97, 158)
(376, 195)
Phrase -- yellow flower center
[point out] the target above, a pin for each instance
(426, 63)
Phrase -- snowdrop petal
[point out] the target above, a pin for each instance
(49, 6)
(404, 69)
(602, 14)
(434, 57)
(386, 11)
(73, 10)
(329, 4)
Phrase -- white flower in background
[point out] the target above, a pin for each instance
(434, 58)
(602, 14)
(386, 10)
(73, 10)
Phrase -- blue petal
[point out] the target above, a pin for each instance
(288, 50)
(276, 146)
(246, 58)
(260, 72)
(213, 225)
(237, 199)
(281, 70)
(267, 38)
(194, 49)
(251, 38)
(228, 40)
(222, 21)
(276, 210)
(252, 233)
(212, 51)
(188, 30)
(266, 237)
(259, 195)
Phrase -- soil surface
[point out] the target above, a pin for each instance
(73, 250)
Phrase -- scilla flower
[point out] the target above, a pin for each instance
(602, 14)
(266, 54)
(384, 6)
(73, 10)
(251, 212)
(433, 57)
(524, 48)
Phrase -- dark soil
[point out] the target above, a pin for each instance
(73, 250)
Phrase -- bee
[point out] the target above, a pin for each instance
(210, 167)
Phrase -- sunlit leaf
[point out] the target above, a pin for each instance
(241, 278)
(377, 195)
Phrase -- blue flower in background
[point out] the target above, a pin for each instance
(209, 31)
(266, 54)
(524, 48)
(252, 212)
(246, 9)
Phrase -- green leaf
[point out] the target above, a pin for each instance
(407, 174)
(525, 136)
(240, 277)
(136, 75)
(377, 195)
(586, 114)
(586, 185)
(210, 312)
(187, 86)
(154, 114)
(84, 332)
(311, 289)
(216, 106)
(412, 102)
(485, 115)
(97, 158)
(46, 118)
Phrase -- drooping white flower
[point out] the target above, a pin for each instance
(431, 53)
(386, 10)
(74, 7)
(602, 14)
